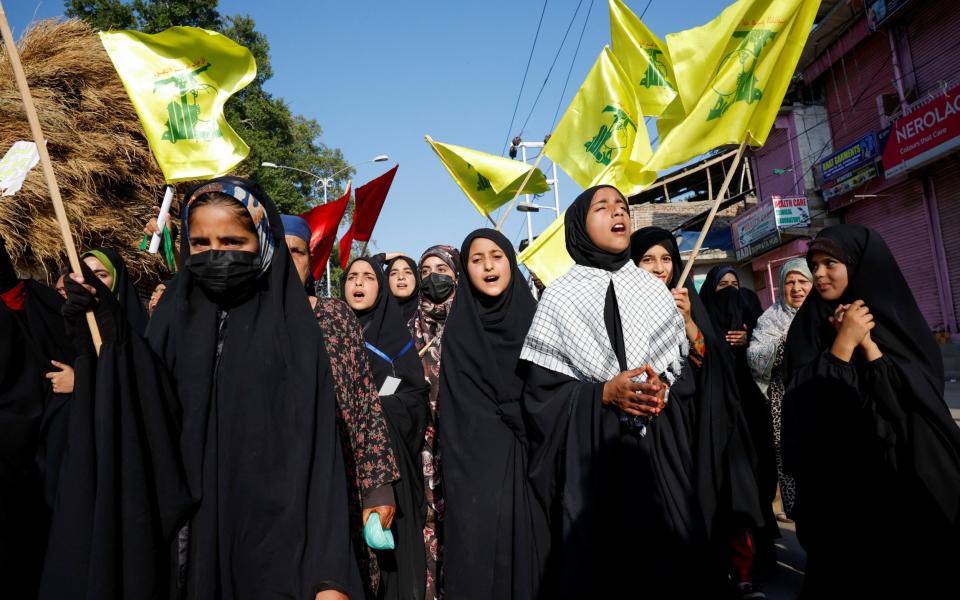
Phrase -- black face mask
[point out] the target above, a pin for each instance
(437, 287)
(224, 274)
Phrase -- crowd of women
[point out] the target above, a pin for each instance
(440, 432)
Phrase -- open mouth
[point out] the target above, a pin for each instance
(359, 295)
(491, 279)
(619, 228)
(402, 285)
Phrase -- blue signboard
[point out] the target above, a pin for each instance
(857, 154)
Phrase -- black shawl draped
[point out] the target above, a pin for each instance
(874, 439)
(492, 521)
(393, 353)
(120, 492)
(259, 434)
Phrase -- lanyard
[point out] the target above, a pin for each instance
(384, 356)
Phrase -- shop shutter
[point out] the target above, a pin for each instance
(899, 216)
(931, 33)
(946, 185)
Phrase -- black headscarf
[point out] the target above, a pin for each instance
(488, 525)
(579, 245)
(408, 305)
(259, 440)
(123, 288)
(873, 276)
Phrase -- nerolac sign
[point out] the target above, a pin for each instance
(927, 132)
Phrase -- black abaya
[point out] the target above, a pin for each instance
(873, 447)
(259, 438)
(623, 507)
(392, 353)
(492, 520)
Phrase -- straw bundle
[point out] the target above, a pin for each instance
(107, 175)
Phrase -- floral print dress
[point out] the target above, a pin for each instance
(370, 462)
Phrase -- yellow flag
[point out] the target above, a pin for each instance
(732, 74)
(178, 81)
(602, 138)
(644, 58)
(547, 256)
(488, 181)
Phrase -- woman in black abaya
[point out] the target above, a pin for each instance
(393, 355)
(107, 265)
(866, 431)
(732, 312)
(623, 514)
(259, 435)
(404, 278)
(724, 462)
(31, 434)
(492, 519)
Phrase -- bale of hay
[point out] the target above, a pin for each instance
(107, 176)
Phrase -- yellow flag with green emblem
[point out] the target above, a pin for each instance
(178, 81)
(732, 75)
(644, 57)
(547, 256)
(489, 181)
(602, 138)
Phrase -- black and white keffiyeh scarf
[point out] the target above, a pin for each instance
(568, 334)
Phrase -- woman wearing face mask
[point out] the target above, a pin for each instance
(731, 311)
(604, 344)
(370, 460)
(404, 278)
(492, 520)
(865, 424)
(723, 460)
(398, 374)
(256, 410)
(438, 280)
(765, 354)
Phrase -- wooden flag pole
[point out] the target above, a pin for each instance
(48, 174)
(503, 217)
(713, 213)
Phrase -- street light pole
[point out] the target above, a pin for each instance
(326, 182)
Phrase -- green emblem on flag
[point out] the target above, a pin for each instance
(745, 88)
(653, 77)
(183, 113)
(600, 146)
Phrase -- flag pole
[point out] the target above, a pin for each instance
(48, 174)
(503, 217)
(162, 219)
(713, 213)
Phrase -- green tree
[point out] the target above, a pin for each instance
(264, 121)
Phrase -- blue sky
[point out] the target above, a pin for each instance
(380, 75)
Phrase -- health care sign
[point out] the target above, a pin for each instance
(758, 229)
(924, 134)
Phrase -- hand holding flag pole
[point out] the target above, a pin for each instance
(47, 166)
(162, 219)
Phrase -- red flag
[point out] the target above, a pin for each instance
(367, 204)
(324, 221)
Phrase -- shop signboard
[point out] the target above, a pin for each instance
(851, 180)
(930, 130)
(850, 157)
(791, 211)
